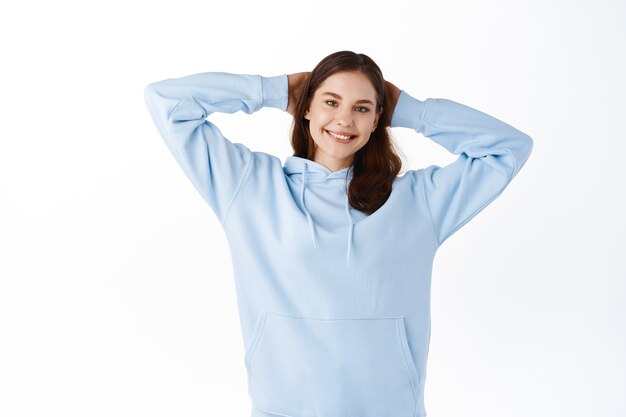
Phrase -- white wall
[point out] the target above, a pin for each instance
(116, 288)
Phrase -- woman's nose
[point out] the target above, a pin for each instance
(344, 117)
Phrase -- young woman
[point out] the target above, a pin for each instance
(333, 251)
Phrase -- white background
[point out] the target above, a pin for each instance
(116, 289)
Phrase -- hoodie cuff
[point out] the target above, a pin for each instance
(274, 91)
(408, 112)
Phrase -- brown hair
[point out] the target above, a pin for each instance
(375, 165)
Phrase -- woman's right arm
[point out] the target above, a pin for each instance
(489, 152)
(179, 107)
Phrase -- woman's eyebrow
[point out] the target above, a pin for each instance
(339, 97)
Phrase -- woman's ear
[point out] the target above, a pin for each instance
(307, 114)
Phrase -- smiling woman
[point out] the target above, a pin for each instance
(328, 331)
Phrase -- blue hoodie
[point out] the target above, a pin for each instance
(334, 304)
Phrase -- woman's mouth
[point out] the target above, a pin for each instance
(339, 137)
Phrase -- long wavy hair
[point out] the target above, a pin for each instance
(375, 165)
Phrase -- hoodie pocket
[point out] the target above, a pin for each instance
(310, 367)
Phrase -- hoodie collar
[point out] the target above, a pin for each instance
(295, 165)
(314, 171)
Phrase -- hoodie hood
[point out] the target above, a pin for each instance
(312, 171)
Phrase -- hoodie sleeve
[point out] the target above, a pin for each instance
(490, 151)
(179, 106)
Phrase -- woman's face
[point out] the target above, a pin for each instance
(343, 105)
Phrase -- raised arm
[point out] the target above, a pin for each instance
(490, 151)
(179, 106)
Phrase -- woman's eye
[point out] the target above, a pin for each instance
(360, 109)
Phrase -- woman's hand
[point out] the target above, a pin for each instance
(296, 85)
(393, 93)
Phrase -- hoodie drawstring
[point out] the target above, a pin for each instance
(312, 225)
(308, 215)
(350, 228)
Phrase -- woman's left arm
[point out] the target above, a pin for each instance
(490, 151)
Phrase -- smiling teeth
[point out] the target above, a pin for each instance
(339, 136)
